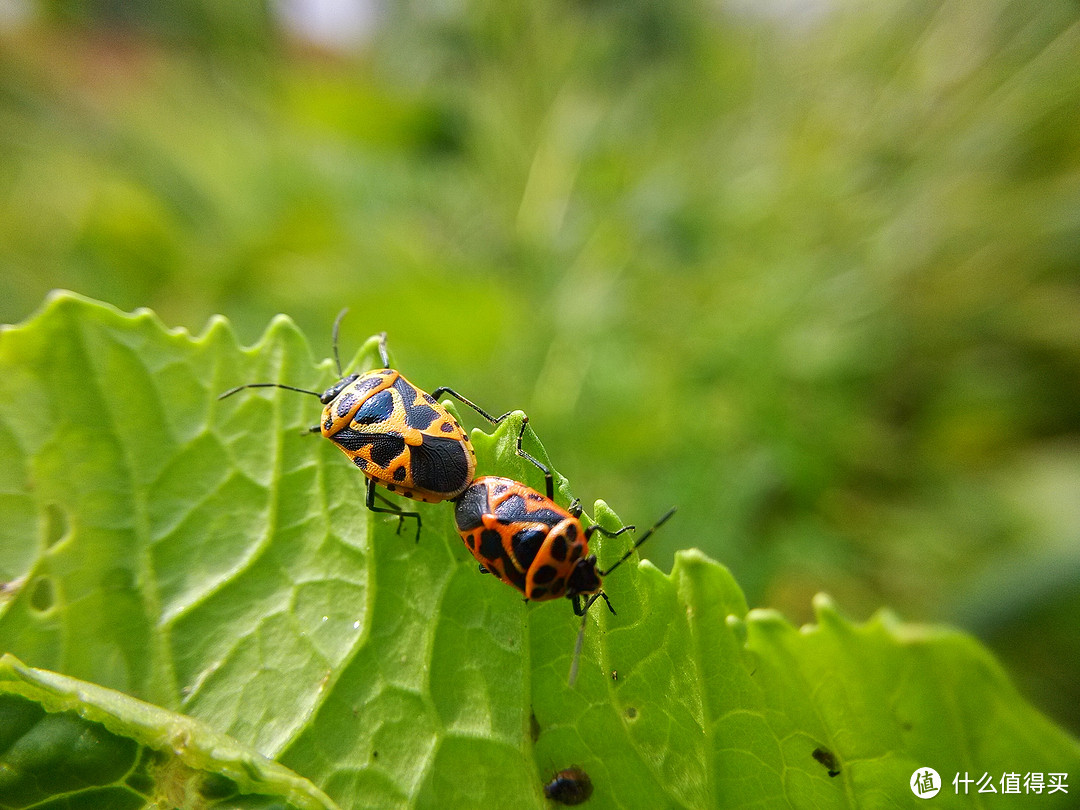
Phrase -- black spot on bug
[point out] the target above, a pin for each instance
(491, 547)
(375, 410)
(526, 544)
(369, 381)
(418, 416)
(439, 465)
(391, 488)
(545, 574)
(558, 586)
(538, 592)
(497, 560)
(400, 473)
(515, 510)
(470, 541)
(571, 532)
(828, 759)
(345, 404)
(558, 548)
(576, 551)
(446, 427)
(385, 449)
(471, 507)
(360, 462)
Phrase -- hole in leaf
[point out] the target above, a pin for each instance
(534, 727)
(42, 594)
(56, 524)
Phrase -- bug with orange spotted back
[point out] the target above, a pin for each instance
(569, 786)
(534, 545)
(398, 435)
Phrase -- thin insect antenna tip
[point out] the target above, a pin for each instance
(337, 327)
(639, 541)
(232, 391)
(575, 659)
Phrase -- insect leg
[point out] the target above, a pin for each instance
(393, 510)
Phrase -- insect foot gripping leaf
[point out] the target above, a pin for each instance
(208, 558)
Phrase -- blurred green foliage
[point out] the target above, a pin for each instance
(812, 277)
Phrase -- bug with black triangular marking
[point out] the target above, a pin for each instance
(396, 434)
(534, 545)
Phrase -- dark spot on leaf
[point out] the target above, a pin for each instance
(534, 727)
(215, 786)
(828, 759)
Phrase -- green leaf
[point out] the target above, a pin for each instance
(100, 748)
(212, 558)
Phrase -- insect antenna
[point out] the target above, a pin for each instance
(639, 541)
(334, 333)
(576, 657)
(232, 391)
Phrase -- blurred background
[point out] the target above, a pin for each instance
(807, 269)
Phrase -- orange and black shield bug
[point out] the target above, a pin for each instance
(534, 545)
(398, 435)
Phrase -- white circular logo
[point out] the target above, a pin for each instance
(925, 783)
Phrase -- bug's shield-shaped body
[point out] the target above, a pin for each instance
(399, 435)
(525, 539)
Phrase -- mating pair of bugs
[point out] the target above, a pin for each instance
(402, 438)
